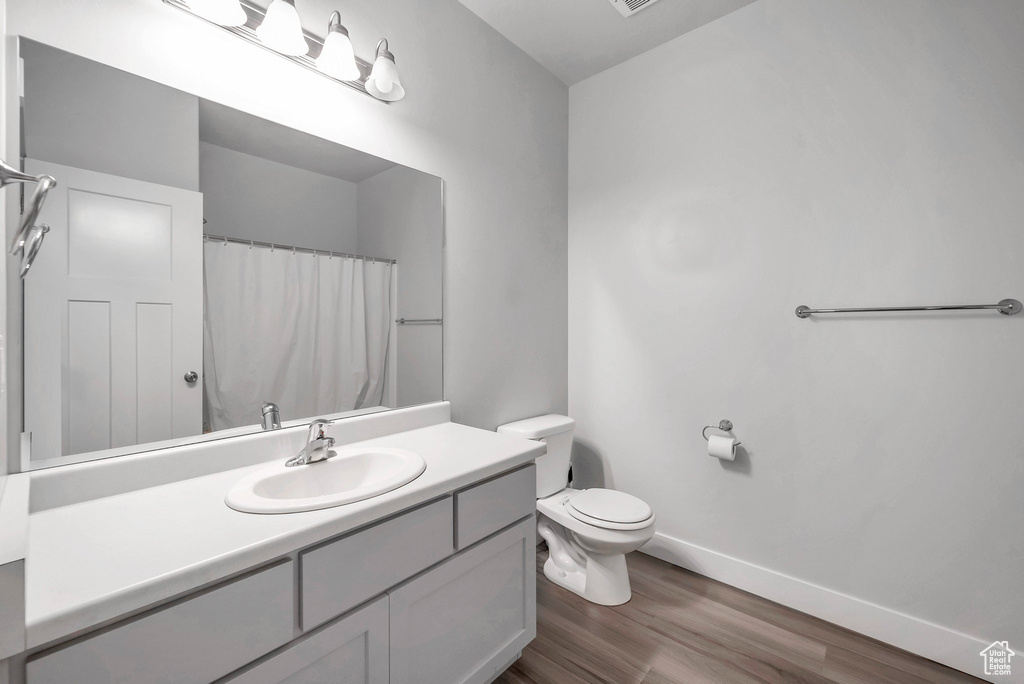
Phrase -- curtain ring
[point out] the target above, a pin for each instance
(250, 244)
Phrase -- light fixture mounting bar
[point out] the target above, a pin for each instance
(254, 17)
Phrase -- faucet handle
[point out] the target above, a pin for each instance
(316, 428)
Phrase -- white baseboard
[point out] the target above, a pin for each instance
(927, 639)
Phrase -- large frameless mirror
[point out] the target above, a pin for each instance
(203, 264)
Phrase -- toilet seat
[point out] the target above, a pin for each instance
(609, 509)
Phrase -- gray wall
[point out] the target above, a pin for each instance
(257, 199)
(401, 217)
(828, 153)
(69, 120)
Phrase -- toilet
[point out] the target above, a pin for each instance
(589, 531)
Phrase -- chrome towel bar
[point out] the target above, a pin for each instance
(1007, 307)
(421, 321)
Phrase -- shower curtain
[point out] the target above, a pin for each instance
(307, 332)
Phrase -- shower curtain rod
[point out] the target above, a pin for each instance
(289, 248)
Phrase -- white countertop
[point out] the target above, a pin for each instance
(94, 561)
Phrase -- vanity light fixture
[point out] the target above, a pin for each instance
(338, 58)
(223, 12)
(281, 29)
(383, 82)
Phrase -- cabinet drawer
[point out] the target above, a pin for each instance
(197, 639)
(353, 648)
(486, 508)
(342, 574)
(466, 619)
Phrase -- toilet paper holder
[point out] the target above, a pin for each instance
(725, 425)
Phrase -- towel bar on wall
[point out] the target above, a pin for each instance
(1007, 307)
(419, 321)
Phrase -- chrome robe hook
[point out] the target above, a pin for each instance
(29, 237)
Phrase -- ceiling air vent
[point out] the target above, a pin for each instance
(630, 7)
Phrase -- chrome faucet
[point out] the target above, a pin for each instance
(318, 446)
(271, 416)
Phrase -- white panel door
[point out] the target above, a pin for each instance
(113, 315)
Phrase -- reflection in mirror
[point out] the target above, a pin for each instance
(203, 262)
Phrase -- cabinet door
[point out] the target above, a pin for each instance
(351, 650)
(466, 619)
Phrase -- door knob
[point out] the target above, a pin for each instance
(191, 377)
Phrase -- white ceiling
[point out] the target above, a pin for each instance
(575, 39)
(241, 132)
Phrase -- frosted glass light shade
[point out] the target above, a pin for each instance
(338, 58)
(281, 30)
(383, 82)
(223, 12)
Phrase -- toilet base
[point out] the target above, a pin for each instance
(599, 578)
(603, 580)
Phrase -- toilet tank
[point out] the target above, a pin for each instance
(555, 431)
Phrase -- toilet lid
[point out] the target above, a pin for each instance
(611, 506)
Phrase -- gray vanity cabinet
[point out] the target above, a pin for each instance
(443, 593)
(466, 620)
(350, 650)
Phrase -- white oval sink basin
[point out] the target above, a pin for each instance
(350, 475)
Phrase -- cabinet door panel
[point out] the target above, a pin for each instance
(345, 572)
(467, 618)
(486, 508)
(197, 639)
(351, 650)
